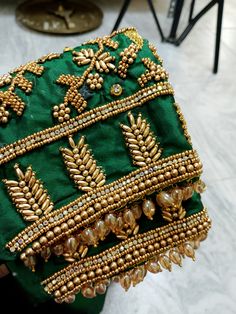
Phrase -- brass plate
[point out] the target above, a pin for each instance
(59, 17)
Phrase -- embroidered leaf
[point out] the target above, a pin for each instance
(142, 143)
(82, 166)
(28, 194)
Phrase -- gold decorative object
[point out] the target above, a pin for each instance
(82, 166)
(116, 90)
(28, 194)
(154, 72)
(142, 143)
(8, 98)
(128, 55)
(59, 17)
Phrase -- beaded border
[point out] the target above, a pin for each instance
(82, 121)
(154, 241)
(136, 185)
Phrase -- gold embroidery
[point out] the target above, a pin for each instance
(82, 121)
(158, 249)
(171, 201)
(122, 223)
(154, 72)
(103, 62)
(154, 51)
(183, 122)
(28, 194)
(134, 36)
(8, 98)
(128, 57)
(141, 141)
(49, 57)
(82, 167)
(94, 81)
(5, 79)
(88, 208)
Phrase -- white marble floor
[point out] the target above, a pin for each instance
(208, 102)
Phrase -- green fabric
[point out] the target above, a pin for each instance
(106, 142)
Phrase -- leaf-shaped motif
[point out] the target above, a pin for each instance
(142, 143)
(82, 166)
(28, 194)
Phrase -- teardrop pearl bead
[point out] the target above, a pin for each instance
(70, 299)
(30, 262)
(71, 245)
(110, 221)
(88, 291)
(177, 196)
(164, 199)
(58, 250)
(175, 257)
(165, 261)
(89, 237)
(149, 208)
(125, 281)
(187, 192)
(129, 218)
(153, 267)
(46, 253)
(101, 229)
(136, 210)
(100, 288)
(138, 275)
(119, 224)
(189, 250)
(199, 186)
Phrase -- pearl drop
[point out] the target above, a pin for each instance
(165, 261)
(153, 267)
(125, 281)
(88, 291)
(164, 199)
(129, 218)
(175, 257)
(138, 275)
(101, 229)
(149, 208)
(71, 245)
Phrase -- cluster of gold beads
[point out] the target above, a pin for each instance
(94, 81)
(61, 112)
(154, 71)
(128, 56)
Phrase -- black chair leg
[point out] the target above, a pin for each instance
(218, 34)
(178, 10)
(156, 19)
(122, 13)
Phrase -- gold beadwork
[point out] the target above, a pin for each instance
(103, 61)
(183, 122)
(141, 141)
(94, 81)
(61, 112)
(154, 72)
(82, 167)
(9, 98)
(116, 90)
(154, 51)
(49, 57)
(116, 190)
(128, 57)
(119, 258)
(134, 36)
(5, 79)
(28, 194)
(82, 121)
